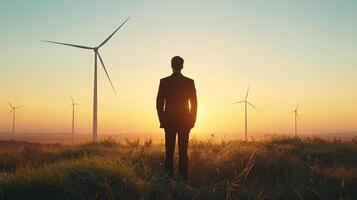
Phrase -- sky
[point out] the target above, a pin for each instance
(290, 52)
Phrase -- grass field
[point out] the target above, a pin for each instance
(276, 168)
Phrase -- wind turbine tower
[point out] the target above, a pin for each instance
(297, 117)
(73, 106)
(246, 104)
(96, 56)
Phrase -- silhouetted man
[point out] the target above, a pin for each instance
(176, 105)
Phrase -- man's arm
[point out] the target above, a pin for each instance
(193, 101)
(160, 103)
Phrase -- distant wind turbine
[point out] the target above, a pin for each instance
(96, 55)
(73, 105)
(13, 111)
(296, 118)
(246, 103)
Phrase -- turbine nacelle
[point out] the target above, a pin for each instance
(13, 107)
(246, 100)
(73, 102)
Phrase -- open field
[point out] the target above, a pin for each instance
(276, 168)
(65, 138)
(79, 138)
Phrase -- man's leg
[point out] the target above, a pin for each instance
(170, 140)
(183, 136)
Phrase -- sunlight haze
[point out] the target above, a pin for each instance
(301, 52)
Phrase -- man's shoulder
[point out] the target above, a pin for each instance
(185, 78)
(188, 79)
(164, 79)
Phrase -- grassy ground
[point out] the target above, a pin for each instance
(278, 168)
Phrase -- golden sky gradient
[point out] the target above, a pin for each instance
(287, 52)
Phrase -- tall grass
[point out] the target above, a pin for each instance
(279, 168)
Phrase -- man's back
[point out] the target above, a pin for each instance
(177, 102)
(176, 105)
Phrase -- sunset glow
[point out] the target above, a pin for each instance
(290, 53)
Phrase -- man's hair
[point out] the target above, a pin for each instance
(177, 63)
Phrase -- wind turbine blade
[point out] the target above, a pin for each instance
(297, 115)
(66, 44)
(252, 105)
(106, 72)
(106, 40)
(238, 102)
(9, 103)
(72, 100)
(246, 96)
(11, 111)
(297, 106)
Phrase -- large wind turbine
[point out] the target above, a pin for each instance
(13, 111)
(96, 55)
(296, 118)
(246, 103)
(73, 105)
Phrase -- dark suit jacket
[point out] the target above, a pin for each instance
(176, 95)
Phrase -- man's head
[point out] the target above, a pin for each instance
(177, 63)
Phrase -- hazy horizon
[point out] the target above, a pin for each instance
(290, 52)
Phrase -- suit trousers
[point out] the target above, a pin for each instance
(170, 140)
